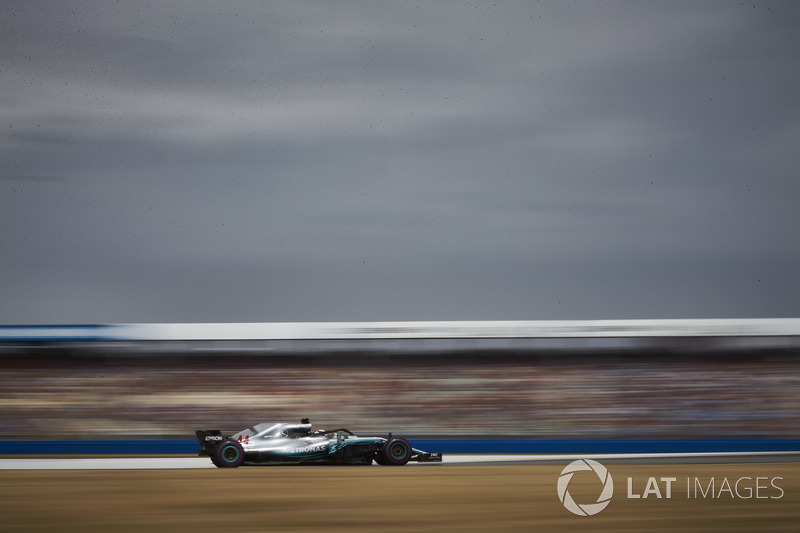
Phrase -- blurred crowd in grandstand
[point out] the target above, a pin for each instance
(63, 394)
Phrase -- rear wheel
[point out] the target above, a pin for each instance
(229, 454)
(395, 452)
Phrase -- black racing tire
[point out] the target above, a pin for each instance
(396, 452)
(229, 454)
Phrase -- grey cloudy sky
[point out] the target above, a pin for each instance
(335, 161)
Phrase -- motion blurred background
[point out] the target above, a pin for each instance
(193, 162)
(675, 387)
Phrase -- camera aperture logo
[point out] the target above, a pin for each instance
(585, 509)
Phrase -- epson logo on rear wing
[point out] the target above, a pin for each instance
(212, 436)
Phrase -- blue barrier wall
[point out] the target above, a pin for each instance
(474, 446)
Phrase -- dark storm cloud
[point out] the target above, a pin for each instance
(319, 161)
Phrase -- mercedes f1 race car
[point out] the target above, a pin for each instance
(292, 443)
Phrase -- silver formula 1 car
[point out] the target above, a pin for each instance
(292, 443)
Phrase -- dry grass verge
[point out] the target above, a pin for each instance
(360, 499)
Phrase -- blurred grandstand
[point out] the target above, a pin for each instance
(544, 379)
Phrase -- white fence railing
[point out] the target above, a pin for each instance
(516, 329)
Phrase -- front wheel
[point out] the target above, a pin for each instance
(395, 452)
(229, 454)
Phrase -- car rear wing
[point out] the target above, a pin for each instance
(209, 440)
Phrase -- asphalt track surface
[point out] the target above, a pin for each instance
(191, 463)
